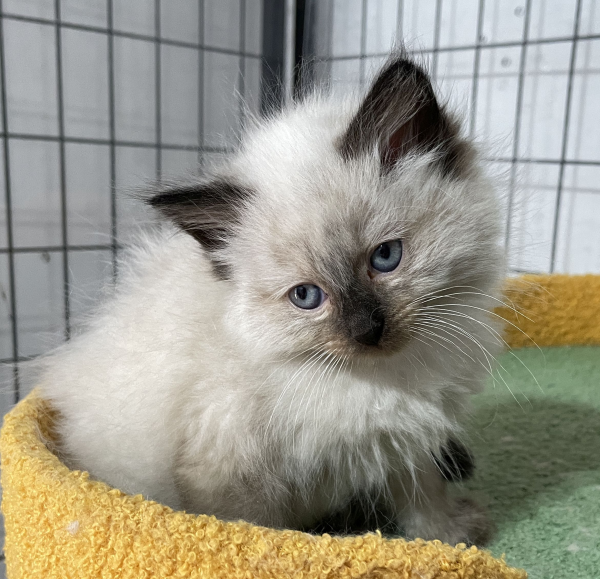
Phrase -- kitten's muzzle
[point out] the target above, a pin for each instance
(367, 330)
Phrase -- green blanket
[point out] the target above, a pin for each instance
(538, 459)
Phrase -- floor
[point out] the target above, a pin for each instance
(538, 455)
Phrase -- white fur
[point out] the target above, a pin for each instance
(195, 392)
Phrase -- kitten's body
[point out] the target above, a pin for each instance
(219, 396)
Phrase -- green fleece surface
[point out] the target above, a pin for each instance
(538, 460)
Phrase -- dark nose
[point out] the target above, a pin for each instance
(370, 333)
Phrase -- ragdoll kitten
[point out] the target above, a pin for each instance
(303, 334)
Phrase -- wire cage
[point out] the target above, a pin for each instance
(97, 98)
(524, 77)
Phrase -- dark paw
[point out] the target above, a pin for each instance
(474, 520)
(455, 461)
(360, 515)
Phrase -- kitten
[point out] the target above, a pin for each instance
(303, 333)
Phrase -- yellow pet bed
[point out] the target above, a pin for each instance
(59, 523)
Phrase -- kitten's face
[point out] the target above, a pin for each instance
(335, 224)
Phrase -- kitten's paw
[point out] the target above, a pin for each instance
(461, 521)
(471, 523)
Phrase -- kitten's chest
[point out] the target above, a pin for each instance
(349, 453)
(354, 427)
(340, 428)
(319, 416)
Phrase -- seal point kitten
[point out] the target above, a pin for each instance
(296, 344)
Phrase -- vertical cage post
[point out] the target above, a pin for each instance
(363, 43)
(273, 71)
(201, 17)
(112, 137)
(157, 90)
(9, 221)
(63, 169)
(517, 126)
(476, 67)
(400, 22)
(291, 33)
(242, 66)
(565, 136)
(436, 38)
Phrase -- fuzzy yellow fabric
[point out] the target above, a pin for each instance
(61, 524)
(552, 310)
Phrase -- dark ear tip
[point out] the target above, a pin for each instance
(156, 200)
(403, 66)
(166, 198)
(402, 63)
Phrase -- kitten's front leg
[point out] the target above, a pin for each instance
(252, 497)
(426, 510)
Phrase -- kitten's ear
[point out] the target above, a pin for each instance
(207, 211)
(400, 115)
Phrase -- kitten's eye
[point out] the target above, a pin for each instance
(307, 296)
(387, 256)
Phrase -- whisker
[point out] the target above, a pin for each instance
(497, 335)
(435, 326)
(320, 396)
(284, 361)
(487, 355)
(302, 367)
(330, 359)
(318, 360)
(487, 369)
(478, 292)
(491, 314)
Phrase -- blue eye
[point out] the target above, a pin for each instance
(307, 296)
(387, 256)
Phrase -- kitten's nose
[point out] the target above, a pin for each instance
(374, 329)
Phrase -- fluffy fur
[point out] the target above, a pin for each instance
(200, 385)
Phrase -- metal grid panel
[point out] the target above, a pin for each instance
(96, 98)
(524, 78)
